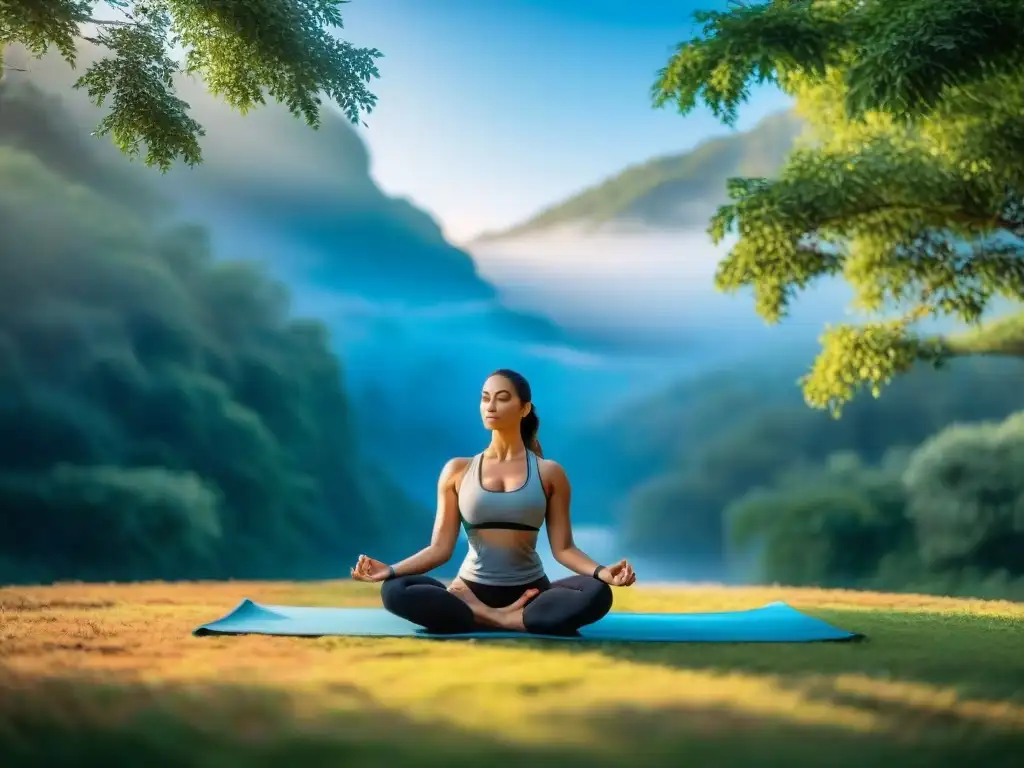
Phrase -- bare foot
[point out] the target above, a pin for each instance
(510, 617)
(481, 611)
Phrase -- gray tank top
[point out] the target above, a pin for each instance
(523, 509)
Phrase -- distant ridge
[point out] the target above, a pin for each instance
(671, 192)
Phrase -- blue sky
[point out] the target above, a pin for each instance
(490, 110)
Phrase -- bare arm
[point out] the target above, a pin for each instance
(446, 525)
(563, 548)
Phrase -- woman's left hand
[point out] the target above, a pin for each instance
(619, 575)
(369, 570)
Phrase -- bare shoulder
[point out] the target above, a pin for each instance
(452, 472)
(552, 474)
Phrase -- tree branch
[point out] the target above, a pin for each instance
(111, 23)
(999, 222)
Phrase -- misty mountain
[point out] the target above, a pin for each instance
(267, 172)
(676, 192)
(415, 323)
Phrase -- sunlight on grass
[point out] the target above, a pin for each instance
(936, 672)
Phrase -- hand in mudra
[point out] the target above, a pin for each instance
(619, 575)
(370, 570)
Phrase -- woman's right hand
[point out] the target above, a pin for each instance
(619, 575)
(369, 570)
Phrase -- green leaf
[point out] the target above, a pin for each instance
(285, 50)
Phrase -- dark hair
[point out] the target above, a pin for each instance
(530, 425)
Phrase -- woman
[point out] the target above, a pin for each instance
(502, 496)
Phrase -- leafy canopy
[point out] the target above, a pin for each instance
(909, 183)
(244, 52)
(967, 496)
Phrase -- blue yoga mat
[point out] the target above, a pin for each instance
(773, 623)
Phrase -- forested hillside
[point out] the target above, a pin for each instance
(164, 413)
(921, 486)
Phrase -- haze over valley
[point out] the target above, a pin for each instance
(645, 376)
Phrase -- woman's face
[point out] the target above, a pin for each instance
(500, 407)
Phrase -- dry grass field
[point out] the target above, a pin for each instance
(109, 675)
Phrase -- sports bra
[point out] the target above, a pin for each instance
(522, 509)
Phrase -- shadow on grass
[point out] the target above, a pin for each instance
(977, 655)
(62, 722)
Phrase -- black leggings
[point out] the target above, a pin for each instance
(561, 608)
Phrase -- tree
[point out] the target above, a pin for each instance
(828, 526)
(243, 51)
(966, 491)
(909, 183)
(99, 521)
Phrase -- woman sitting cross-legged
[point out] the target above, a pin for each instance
(502, 496)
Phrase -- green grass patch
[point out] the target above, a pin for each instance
(109, 675)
